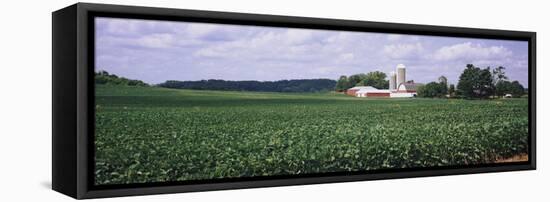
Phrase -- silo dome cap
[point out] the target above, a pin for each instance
(400, 66)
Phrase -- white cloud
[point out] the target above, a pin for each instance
(119, 26)
(156, 41)
(347, 56)
(403, 51)
(268, 45)
(470, 51)
(198, 30)
(394, 37)
(297, 36)
(347, 37)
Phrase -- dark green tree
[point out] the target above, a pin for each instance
(475, 82)
(103, 77)
(432, 89)
(467, 81)
(354, 80)
(375, 79)
(499, 75)
(452, 90)
(500, 81)
(442, 79)
(506, 87)
(342, 84)
(516, 89)
(503, 87)
(486, 85)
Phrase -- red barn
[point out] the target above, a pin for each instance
(378, 94)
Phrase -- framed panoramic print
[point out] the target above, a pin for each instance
(153, 100)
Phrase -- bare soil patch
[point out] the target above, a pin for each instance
(516, 158)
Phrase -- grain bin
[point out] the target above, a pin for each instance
(393, 84)
(400, 74)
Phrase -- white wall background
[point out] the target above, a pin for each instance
(25, 103)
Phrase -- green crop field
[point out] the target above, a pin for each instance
(148, 134)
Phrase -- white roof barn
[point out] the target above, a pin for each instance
(363, 88)
(369, 91)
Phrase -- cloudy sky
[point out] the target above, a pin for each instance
(156, 51)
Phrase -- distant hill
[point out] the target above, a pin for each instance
(295, 85)
(103, 77)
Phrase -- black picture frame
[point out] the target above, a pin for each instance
(73, 98)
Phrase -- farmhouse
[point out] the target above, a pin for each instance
(398, 88)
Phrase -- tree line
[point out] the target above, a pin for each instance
(375, 79)
(295, 85)
(103, 77)
(474, 83)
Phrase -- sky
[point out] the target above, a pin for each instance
(155, 51)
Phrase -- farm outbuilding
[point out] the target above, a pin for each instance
(398, 87)
(352, 91)
(408, 87)
(369, 91)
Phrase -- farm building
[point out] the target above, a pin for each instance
(398, 87)
(368, 91)
(408, 87)
(352, 91)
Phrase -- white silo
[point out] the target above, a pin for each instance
(393, 84)
(400, 74)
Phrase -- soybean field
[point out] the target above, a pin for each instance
(151, 134)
